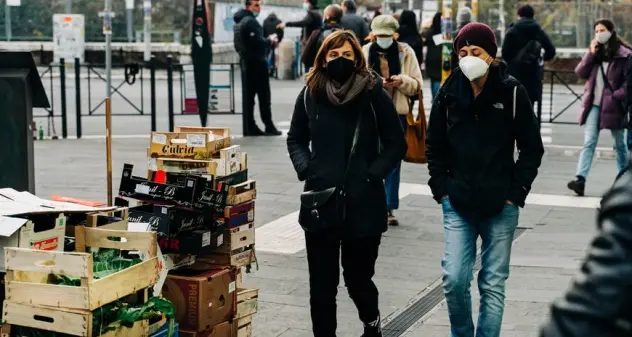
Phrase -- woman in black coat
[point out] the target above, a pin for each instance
(344, 139)
(409, 33)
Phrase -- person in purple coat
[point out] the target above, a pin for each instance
(604, 68)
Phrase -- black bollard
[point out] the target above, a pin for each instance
(152, 91)
(78, 95)
(170, 91)
(62, 81)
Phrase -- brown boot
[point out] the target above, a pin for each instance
(392, 221)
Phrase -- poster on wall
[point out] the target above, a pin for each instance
(68, 37)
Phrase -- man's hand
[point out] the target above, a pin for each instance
(281, 25)
(509, 202)
(593, 46)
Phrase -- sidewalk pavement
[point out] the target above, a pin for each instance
(558, 228)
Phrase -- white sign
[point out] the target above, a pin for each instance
(68, 37)
(13, 3)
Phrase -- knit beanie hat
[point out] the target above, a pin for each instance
(476, 34)
(463, 15)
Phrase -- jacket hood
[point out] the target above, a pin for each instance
(271, 17)
(527, 26)
(241, 14)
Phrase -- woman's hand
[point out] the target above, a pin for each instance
(593, 46)
(396, 81)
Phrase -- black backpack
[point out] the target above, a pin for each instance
(530, 54)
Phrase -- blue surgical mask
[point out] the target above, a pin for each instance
(255, 14)
(305, 6)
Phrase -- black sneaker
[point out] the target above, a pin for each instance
(272, 131)
(254, 131)
(578, 185)
(373, 329)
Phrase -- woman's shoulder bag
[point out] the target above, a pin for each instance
(326, 209)
(416, 133)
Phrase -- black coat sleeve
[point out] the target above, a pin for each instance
(307, 21)
(437, 150)
(530, 148)
(298, 139)
(549, 48)
(253, 34)
(391, 136)
(600, 295)
(512, 43)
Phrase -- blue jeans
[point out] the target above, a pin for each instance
(391, 183)
(435, 85)
(458, 261)
(591, 136)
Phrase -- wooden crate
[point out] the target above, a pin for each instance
(68, 321)
(247, 302)
(238, 237)
(24, 266)
(93, 218)
(237, 259)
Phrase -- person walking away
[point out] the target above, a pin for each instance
(340, 120)
(522, 50)
(397, 64)
(270, 24)
(604, 67)
(478, 116)
(597, 303)
(434, 54)
(333, 14)
(354, 22)
(253, 49)
(310, 23)
(463, 17)
(409, 33)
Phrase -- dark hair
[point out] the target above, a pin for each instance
(317, 77)
(334, 13)
(436, 23)
(526, 11)
(608, 51)
(350, 5)
(408, 18)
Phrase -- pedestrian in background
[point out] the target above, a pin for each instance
(480, 114)
(597, 303)
(340, 120)
(354, 22)
(311, 22)
(522, 50)
(332, 23)
(253, 49)
(433, 54)
(397, 64)
(270, 27)
(409, 33)
(604, 67)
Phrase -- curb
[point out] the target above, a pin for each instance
(574, 151)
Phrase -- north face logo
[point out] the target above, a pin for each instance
(499, 106)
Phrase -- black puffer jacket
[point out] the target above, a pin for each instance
(248, 38)
(471, 144)
(329, 130)
(599, 301)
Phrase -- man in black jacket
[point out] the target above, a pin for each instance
(598, 302)
(522, 50)
(333, 15)
(253, 48)
(310, 23)
(354, 22)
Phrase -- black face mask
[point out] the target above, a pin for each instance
(340, 69)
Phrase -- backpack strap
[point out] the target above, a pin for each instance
(305, 98)
(515, 94)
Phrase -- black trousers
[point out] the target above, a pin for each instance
(358, 258)
(255, 81)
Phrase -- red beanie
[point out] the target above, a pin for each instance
(476, 34)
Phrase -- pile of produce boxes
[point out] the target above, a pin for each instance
(74, 270)
(197, 197)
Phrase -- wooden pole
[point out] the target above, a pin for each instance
(108, 146)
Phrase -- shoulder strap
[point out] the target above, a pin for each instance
(605, 78)
(515, 95)
(305, 93)
(354, 145)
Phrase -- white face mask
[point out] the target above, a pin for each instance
(306, 6)
(603, 37)
(473, 67)
(384, 42)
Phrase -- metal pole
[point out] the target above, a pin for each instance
(68, 6)
(62, 80)
(474, 10)
(147, 32)
(170, 91)
(7, 20)
(107, 31)
(130, 25)
(501, 21)
(152, 91)
(78, 96)
(410, 4)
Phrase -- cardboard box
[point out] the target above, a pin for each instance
(238, 237)
(43, 232)
(202, 300)
(220, 330)
(190, 143)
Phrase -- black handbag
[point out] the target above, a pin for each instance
(325, 209)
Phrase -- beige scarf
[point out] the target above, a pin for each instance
(348, 91)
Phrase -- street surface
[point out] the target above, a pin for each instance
(558, 227)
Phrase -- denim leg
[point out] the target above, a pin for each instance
(591, 136)
(621, 148)
(391, 183)
(497, 236)
(456, 266)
